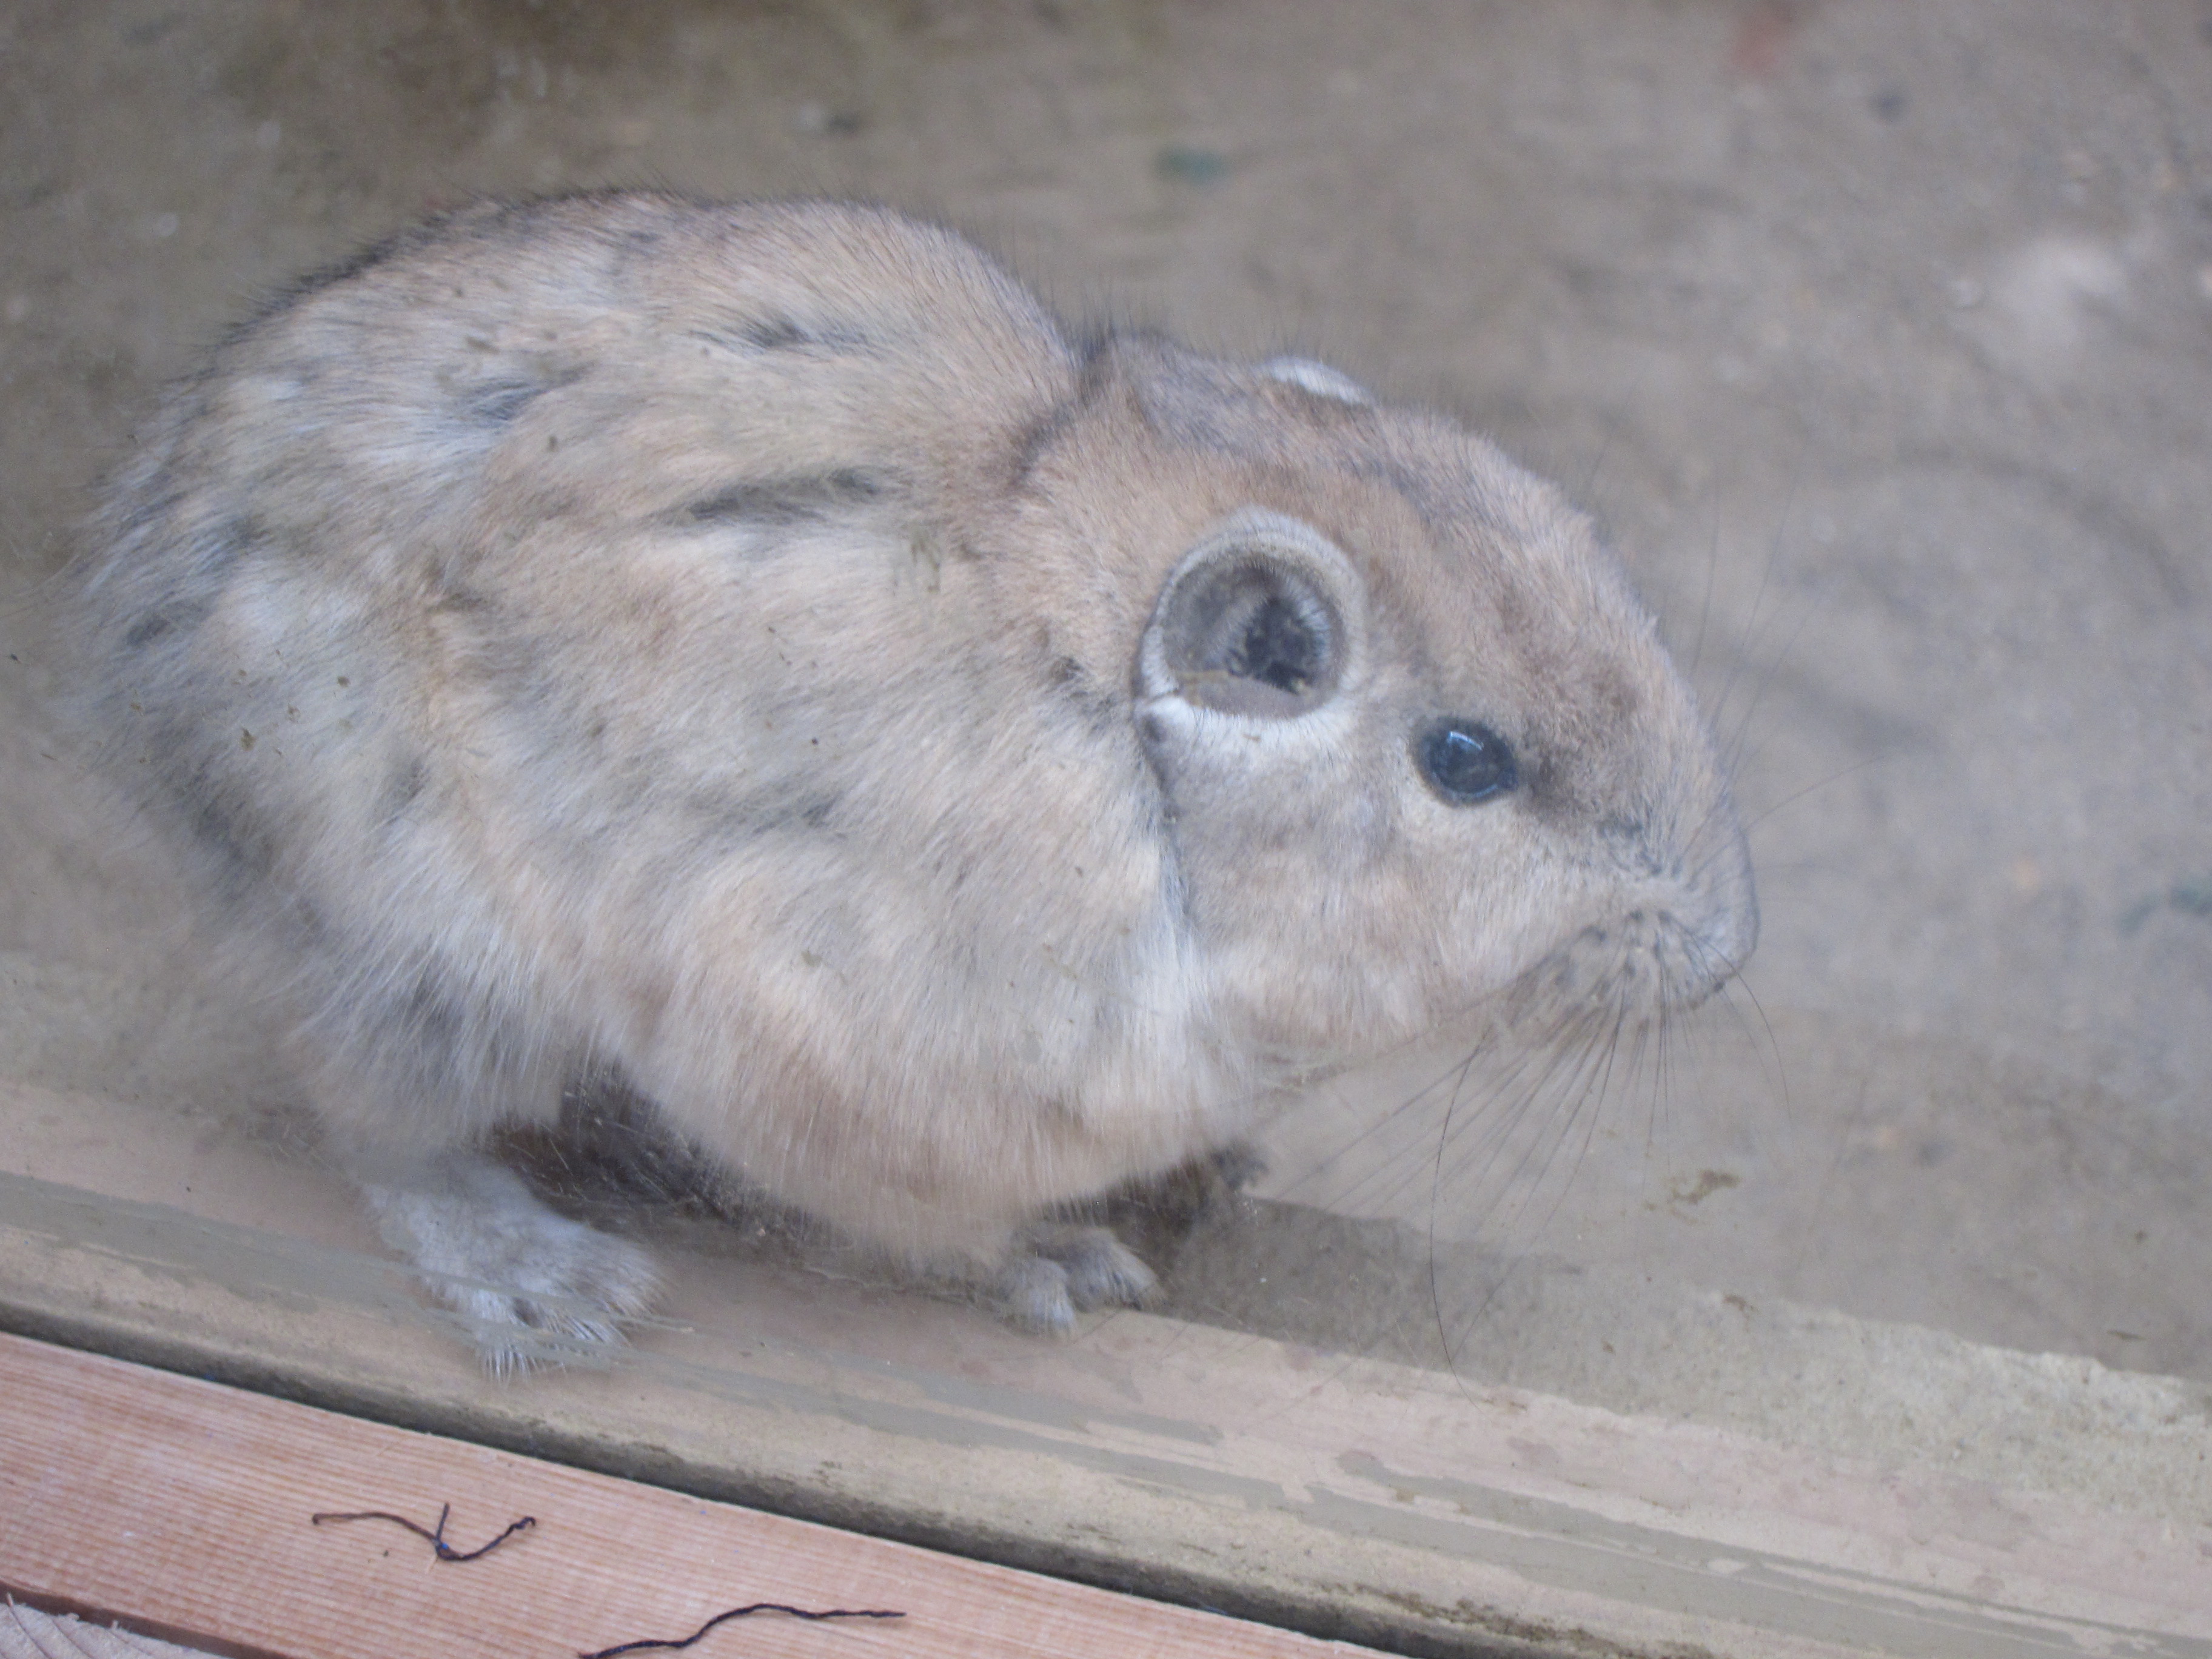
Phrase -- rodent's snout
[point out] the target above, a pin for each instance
(1698, 956)
(1685, 930)
(1645, 965)
(1732, 933)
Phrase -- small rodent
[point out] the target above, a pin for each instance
(949, 767)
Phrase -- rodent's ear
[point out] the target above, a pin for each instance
(1319, 379)
(1264, 617)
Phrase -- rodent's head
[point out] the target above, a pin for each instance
(1419, 753)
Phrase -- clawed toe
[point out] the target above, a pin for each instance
(1070, 1269)
(532, 1287)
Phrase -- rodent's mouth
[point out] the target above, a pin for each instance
(1644, 966)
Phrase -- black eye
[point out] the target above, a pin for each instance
(1466, 761)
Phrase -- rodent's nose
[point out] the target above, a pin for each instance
(1729, 933)
(1698, 911)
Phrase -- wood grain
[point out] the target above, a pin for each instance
(184, 1507)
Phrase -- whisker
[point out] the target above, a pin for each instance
(1758, 603)
(1733, 752)
(1705, 606)
(1837, 776)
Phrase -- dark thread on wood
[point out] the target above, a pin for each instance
(437, 1539)
(739, 1613)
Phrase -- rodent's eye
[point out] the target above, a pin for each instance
(1252, 634)
(1466, 761)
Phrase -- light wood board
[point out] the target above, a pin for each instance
(183, 1508)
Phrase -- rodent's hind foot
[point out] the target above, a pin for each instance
(533, 1288)
(1065, 1270)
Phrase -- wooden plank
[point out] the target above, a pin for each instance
(184, 1507)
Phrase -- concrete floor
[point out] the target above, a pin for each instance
(1880, 338)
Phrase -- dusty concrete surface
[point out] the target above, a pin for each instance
(1880, 339)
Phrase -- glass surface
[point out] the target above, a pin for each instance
(1878, 339)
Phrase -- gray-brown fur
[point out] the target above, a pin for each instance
(712, 643)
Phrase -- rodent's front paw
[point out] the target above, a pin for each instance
(1067, 1269)
(579, 1283)
(533, 1287)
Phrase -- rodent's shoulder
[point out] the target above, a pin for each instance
(796, 338)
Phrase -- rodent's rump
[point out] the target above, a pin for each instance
(950, 768)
